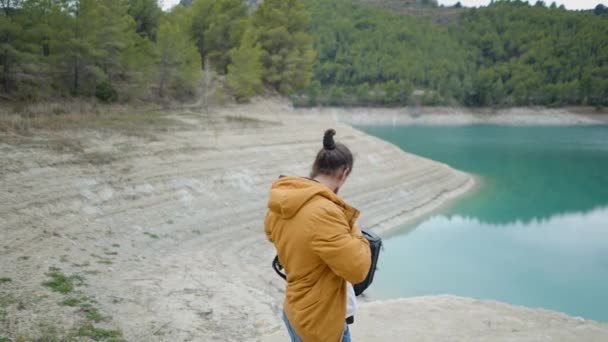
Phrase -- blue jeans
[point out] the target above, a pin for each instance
(296, 338)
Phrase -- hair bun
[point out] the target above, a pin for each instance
(328, 139)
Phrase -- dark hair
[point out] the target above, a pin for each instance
(333, 157)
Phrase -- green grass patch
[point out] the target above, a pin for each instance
(71, 302)
(93, 315)
(98, 334)
(152, 235)
(5, 301)
(5, 280)
(4, 339)
(62, 283)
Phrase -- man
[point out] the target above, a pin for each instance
(319, 245)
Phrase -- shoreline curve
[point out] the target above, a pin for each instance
(167, 226)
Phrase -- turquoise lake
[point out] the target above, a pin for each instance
(534, 234)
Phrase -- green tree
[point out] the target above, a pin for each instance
(217, 27)
(226, 28)
(147, 15)
(56, 48)
(245, 71)
(280, 28)
(178, 59)
(362, 93)
(200, 14)
(114, 36)
(89, 43)
(10, 31)
(73, 48)
(600, 10)
(28, 42)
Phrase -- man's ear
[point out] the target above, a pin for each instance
(345, 173)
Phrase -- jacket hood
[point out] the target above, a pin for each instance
(289, 194)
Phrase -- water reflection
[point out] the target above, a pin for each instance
(560, 263)
(536, 234)
(530, 173)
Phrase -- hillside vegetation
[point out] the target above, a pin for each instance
(401, 4)
(367, 55)
(535, 55)
(127, 50)
(339, 52)
(509, 53)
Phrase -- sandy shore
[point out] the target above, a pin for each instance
(450, 318)
(166, 230)
(462, 116)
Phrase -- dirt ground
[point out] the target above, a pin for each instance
(155, 232)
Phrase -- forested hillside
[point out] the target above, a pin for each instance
(509, 53)
(339, 52)
(367, 55)
(125, 50)
(397, 5)
(525, 55)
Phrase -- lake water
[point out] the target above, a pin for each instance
(534, 234)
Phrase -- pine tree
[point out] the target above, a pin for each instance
(89, 44)
(217, 28)
(10, 31)
(226, 28)
(200, 13)
(73, 50)
(245, 71)
(35, 48)
(22, 32)
(114, 36)
(177, 58)
(147, 15)
(280, 28)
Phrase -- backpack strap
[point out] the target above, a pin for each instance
(276, 265)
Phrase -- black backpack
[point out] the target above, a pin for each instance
(375, 245)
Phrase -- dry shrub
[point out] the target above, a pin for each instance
(22, 118)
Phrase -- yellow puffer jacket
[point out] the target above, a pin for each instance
(320, 248)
